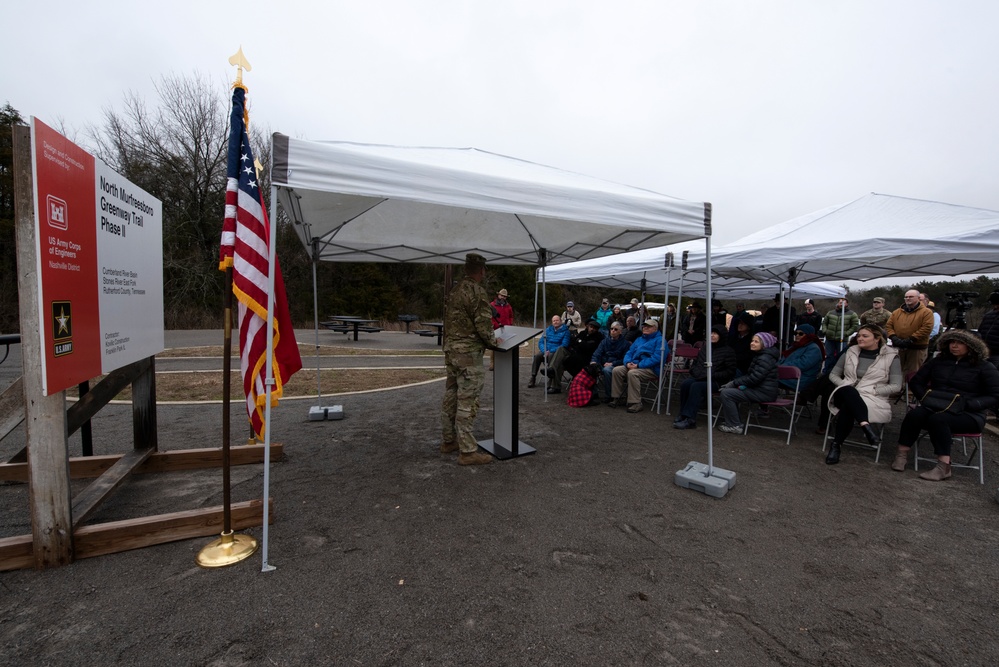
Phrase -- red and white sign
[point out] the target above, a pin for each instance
(99, 245)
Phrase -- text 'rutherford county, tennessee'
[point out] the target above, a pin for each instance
(115, 217)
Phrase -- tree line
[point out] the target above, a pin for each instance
(175, 148)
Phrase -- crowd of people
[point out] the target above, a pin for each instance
(852, 365)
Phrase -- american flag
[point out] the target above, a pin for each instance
(245, 245)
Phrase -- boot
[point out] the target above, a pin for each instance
(939, 473)
(832, 458)
(871, 435)
(448, 447)
(532, 384)
(474, 458)
(901, 458)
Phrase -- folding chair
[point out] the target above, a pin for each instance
(787, 405)
(863, 444)
(976, 440)
(687, 353)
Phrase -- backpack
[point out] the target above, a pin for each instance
(581, 389)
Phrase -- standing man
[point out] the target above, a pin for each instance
(837, 326)
(603, 316)
(909, 329)
(502, 317)
(877, 314)
(925, 300)
(572, 318)
(811, 317)
(468, 331)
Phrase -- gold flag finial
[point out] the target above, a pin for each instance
(241, 63)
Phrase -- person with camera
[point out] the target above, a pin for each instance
(988, 330)
(955, 389)
(909, 329)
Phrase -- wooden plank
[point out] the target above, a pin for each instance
(15, 553)
(87, 467)
(118, 536)
(11, 408)
(113, 383)
(90, 498)
(44, 416)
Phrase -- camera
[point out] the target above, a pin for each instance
(960, 303)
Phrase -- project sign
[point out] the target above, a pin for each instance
(99, 244)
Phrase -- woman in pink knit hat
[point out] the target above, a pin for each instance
(757, 384)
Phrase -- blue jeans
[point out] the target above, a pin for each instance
(692, 395)
(832, 355)
(608, 372)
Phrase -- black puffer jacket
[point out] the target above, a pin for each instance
(762, 373)
(723, 364)
(972, 376)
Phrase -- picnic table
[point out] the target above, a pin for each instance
(439, 326)
(347, 323)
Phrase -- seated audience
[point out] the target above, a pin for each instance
(554, 337)
(574, 356)
(863, 379)
(618, 315)
(955, 390)
(641, 362)
(759, 383)
(695, 387)
(609, 355)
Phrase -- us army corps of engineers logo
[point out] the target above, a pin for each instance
(62, 327)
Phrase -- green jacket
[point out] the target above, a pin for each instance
(830, 325)
(468, 319)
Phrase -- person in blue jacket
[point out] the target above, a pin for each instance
(554, 337)
(610, 354)
(806, 353)
(641, 364)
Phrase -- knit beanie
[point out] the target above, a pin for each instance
(768, 339)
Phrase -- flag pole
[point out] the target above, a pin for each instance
(228, 548)
(269, 374)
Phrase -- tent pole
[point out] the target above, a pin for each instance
(708, 358)
(676, 330)
(662, 330)
(315, 315)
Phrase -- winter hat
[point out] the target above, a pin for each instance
(768, 339)
(806, 329)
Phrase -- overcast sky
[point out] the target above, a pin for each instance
(769, 109)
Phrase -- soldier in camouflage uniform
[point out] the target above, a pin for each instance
(468, 331)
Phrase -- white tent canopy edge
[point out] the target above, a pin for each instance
(354, 202)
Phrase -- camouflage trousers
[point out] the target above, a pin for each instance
(465, 376)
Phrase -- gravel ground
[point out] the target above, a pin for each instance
(388, 553)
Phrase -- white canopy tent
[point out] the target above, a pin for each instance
(372, 203)
(876, 236)
(627, 271)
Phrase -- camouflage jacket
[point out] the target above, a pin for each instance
(468, 319)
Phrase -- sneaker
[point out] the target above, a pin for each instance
(685, 424)
(725, 428)
(635, 407)
(554, 390)
(474, 459)
(614, 402)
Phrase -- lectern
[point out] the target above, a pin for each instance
(505, 443)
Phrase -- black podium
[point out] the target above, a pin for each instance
(505, 443)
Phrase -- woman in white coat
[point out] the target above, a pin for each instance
(866, 375)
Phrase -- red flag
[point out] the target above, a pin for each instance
(245, 247)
